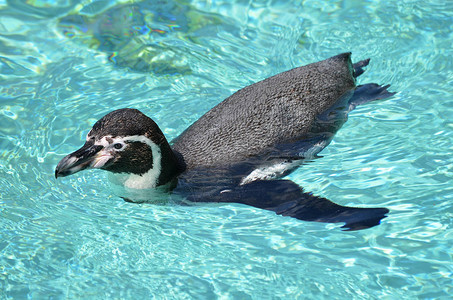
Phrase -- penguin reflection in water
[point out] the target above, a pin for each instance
(238, 150)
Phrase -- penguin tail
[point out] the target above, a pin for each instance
(358, 67)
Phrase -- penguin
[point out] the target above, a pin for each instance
(240, 150)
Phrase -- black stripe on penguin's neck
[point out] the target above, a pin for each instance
(171, 166)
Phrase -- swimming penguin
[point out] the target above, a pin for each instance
(238, 151)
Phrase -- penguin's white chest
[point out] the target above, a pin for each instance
(133, 181)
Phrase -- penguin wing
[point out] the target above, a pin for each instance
(286, 198)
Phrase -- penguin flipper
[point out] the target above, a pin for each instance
(286, 198)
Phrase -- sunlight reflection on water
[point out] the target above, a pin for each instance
(73, 239)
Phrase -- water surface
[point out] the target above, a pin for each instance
(64, 64)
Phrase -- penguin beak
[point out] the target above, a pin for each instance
(88, 157)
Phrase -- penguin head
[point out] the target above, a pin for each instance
(128, 143)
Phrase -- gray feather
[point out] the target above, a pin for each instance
(279, 109)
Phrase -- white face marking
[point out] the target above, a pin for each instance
(108, 141)
(133, 181)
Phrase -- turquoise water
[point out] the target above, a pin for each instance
(64, 64)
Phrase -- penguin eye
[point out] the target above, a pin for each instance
(117, 146)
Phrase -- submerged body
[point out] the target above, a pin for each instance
(238, 150)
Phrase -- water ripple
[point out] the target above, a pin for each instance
(63, 65)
